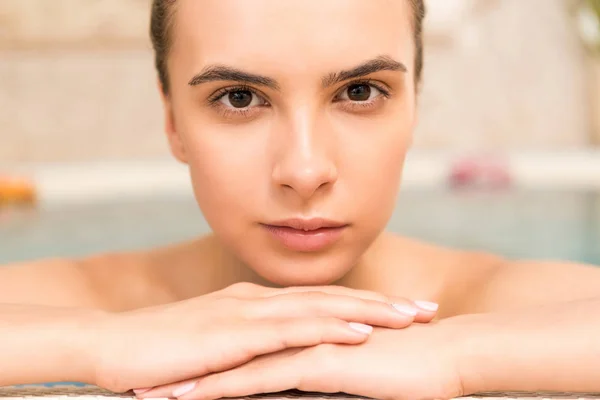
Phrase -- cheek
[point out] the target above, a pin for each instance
(226, 175)
(379, 179)
(374, 165)
(373, 170)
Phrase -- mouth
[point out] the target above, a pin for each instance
(307, 225)
(306, 235)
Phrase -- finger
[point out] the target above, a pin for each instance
(267, 337)
(278, 372)
(337, 290)
(425, 312)
(270, 336)
(191, 386)
(164, 391)
(319, 304)
(242, 342)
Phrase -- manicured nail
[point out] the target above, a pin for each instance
(405, 309)
(140, 391)
(362, 328)
(427, 305)
(180, 391)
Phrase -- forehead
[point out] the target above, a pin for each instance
(291, 35)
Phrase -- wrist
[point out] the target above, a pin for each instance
(60, 340)
(82, 346)
(501, 352)
(478, 344)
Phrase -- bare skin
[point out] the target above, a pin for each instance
(311, 123)
(461, 282)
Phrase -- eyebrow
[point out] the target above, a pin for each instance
(381, 63)
(224, 73)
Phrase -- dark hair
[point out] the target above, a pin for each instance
(161, 21)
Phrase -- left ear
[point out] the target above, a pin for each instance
(174, 138)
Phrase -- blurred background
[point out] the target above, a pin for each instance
(506, 158)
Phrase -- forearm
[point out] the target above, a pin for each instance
(554, 348)
(45, 344)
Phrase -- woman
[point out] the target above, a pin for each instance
(294, 118)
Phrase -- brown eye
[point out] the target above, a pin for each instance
(240, 99)
(359, 92)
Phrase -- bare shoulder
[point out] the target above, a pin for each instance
(465, 282)
(53, 282)
(115, 282)
(437, 273)
(479, 282)
(156, 276)
(532, 283)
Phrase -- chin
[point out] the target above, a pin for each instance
(293, 279)
(304, 269)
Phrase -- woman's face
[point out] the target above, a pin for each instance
(294, 118)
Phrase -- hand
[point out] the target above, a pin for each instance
(419, 362)
(217, 332)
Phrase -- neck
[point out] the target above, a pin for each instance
(205, 265)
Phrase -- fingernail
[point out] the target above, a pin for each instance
(180, 391)
(405, 309)
(427, 305)
(362, 328)
(140, 391)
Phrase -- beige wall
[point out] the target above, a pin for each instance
(77, 81)
(513, 76)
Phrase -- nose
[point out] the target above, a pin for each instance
(306, 163)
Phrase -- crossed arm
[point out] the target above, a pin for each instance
(527, 326)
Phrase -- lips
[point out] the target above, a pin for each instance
(306, 235)
(308, 224)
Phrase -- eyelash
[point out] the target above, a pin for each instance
(215, 99)
(365, 105)
(219, 94)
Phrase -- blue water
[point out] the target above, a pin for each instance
(55, 384)
(520, 224)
